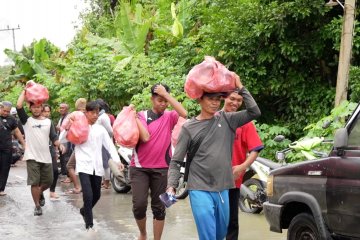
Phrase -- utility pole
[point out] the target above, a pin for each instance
(345, 52)
(13, 33)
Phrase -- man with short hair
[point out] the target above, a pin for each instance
(38, 131)
(246, 148)
(89, 162)
(151, 157)
(64, 111)
(8, 125)
(210, 172)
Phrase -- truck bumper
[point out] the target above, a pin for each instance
(273, 216)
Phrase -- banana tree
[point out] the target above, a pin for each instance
(30, 63)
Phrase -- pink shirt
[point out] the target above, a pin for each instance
(155, 153)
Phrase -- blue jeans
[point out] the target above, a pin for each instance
(211, 213)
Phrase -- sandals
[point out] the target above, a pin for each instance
(73, 191)
(67, 180)
(105, 187)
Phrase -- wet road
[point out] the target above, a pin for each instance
(113, 217)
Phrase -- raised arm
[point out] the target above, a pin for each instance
(172, 101)
(252, 111)
(20, 110)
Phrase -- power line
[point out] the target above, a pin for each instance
(13, 33)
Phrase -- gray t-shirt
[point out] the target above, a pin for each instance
(211, 169)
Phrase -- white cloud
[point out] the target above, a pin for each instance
(51, 19)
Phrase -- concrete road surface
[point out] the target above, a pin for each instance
(113, 218)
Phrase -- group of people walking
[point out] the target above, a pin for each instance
(221, 143)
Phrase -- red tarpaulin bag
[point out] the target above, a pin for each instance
(36, 93)
(209, 76)
(126, 131)
(176, 131)
(78, 132)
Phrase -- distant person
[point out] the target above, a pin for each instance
(64, 111)
(8, 125)
(53, 196)
(89, 163)
(105, 121)
(210, 173)
(150, 161)
(39, 131)
(246, 148)
(13, 113)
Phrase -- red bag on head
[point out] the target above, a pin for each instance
(79, 129)
(125, 129)
(209, 76)
(176, 131)
(36, 93)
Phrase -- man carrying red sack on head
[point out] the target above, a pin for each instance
(246, 141)
(150, 161)
(38, 131)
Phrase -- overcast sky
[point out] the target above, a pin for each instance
(51, 19)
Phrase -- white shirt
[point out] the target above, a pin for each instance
(88, 155)
(104, 120)
(37, 133)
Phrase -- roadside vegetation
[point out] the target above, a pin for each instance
(286, 53)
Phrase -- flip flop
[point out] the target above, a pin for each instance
(73, 191)
(67, 180)
(105, 187)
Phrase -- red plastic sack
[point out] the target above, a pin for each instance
(125, 129)
(36, 93)
(209, 76)
(79, 129)
(176, 131)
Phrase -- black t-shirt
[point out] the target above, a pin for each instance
(7, 125)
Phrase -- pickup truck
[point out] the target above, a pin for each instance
(319, 199)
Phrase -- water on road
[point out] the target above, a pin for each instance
(113, 218)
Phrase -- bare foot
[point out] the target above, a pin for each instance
(142, 237)
(2, 193)
(53, 195)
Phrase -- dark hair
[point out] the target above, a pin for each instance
(103, 105)
(92, 105)
(46, 105)
(157, 84)
(32, 104)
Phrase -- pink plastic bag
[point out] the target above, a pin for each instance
(176, 131)
(126, 131)
(209, 76)
(79, 129)
(36, 93)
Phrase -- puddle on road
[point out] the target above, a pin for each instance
(113, 217)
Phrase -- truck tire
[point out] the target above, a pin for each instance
(245, 204)
(303, 227)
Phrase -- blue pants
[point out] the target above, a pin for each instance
(211, 213)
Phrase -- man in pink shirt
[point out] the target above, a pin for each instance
(150, 161)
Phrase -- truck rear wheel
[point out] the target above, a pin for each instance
(303, 227)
